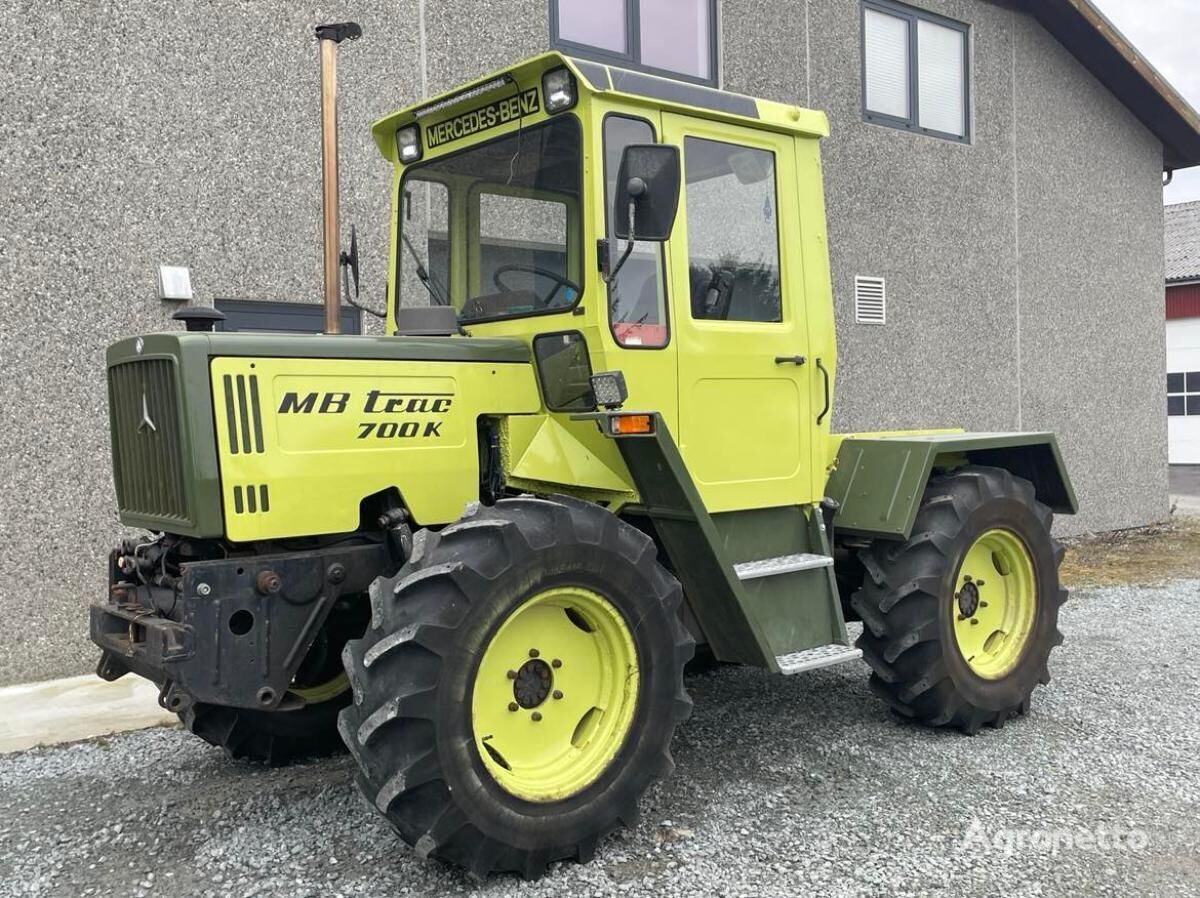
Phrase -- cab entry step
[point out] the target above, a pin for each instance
(821, 656)
(784, 564)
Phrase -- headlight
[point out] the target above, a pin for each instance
(408, 144)
(558, 88)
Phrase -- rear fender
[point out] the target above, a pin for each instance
(878, 480)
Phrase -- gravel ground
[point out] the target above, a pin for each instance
(784, 787)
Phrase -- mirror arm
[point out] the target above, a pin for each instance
(351, 301)
(612, 275)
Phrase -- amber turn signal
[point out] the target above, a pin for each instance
(624, 425)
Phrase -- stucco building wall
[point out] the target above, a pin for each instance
(1024, 270)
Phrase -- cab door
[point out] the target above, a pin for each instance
(745, 416)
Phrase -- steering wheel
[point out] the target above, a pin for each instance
(559, 281)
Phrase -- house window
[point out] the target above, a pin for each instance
(1183, 394)
(257, 316)
(916, 70)
(676, 38)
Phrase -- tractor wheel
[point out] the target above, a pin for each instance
(959, 622)
(272, 737)
(309, 728)
(519, 685)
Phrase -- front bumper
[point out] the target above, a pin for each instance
(233, 631)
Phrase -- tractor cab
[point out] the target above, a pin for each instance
(513, 209)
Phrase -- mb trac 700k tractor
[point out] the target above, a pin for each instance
(480, 549)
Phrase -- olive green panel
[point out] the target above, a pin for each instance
(345, 346)
(762, 532)
(879, 480)
(693, 545)
(755, 621)
(796, 611)
(198, 453)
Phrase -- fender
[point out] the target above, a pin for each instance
(878, 479)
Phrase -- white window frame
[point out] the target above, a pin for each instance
(1190, 391)
(913, 16)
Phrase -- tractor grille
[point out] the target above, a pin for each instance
(148, 461)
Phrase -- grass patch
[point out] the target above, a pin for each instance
(1168, 551)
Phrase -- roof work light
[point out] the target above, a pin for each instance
(558, 88)
(408, 143)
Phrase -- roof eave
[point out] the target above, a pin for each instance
(1080, 27)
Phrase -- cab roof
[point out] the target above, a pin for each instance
(611, 81)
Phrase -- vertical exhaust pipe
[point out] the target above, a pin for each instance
(328, 37)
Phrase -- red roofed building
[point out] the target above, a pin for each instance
(1183, 333)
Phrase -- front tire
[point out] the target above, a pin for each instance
(960, 620)
(519, 685)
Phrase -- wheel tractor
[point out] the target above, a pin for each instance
(479, 550)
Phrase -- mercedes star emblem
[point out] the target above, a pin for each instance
(147, 421)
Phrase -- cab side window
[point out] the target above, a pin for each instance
(637, 305)
(733, 232)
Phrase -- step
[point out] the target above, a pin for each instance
(821, 656)
(784, 564)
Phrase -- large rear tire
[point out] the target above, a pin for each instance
(960, 620)
(519, 685)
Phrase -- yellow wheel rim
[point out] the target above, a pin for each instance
(994, 604)
(555, 694)
(314, 695)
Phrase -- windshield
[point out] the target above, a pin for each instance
(496, 230)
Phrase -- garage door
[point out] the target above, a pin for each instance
(1183, 391)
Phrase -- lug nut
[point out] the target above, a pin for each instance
(512, 706)
(961, 618)
(558, 693)
(979, 583)
(967, 578)
(533, 653)
(512, 674)
(983, 604)
(974, 621)
(556, 663)
(536, 715)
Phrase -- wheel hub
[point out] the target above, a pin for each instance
(554, 696)
(995, 606)
(533, 683)
(968, 599)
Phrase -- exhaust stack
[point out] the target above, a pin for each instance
(329, 36)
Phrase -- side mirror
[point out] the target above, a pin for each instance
(349, 262)
(647, 192)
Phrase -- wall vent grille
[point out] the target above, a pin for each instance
(870, 300)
